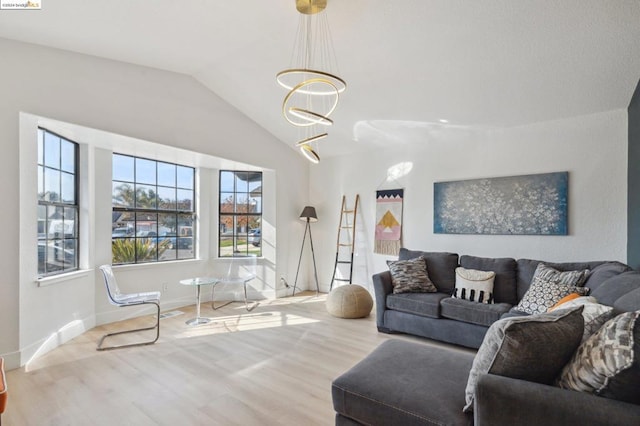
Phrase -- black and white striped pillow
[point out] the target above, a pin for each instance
(474, 285)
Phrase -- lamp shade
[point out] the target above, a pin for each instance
(309, 213)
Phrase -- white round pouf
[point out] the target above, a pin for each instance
(349, 301)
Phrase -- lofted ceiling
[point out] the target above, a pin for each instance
(409, 64)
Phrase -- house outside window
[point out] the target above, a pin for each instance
(57, 204)
(153, 217)
(240, 214)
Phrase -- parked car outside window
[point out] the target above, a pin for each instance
(255, 237)
(183, 243)
(121, 232)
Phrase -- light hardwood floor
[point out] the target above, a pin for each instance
(271, 366)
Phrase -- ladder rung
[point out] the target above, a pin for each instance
(349, 225)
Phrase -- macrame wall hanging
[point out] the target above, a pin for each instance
(388, 238)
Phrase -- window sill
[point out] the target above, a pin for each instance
(56, 279)
(156, 264)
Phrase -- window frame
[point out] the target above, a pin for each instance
(174, 239)
(75, 206)
(235, 235)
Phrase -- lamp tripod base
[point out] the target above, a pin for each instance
(313, 256)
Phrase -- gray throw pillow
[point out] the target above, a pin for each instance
(532, 348)
(548, 286)
(608, 363)
(410, 276)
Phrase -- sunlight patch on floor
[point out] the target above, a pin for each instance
(245, 322)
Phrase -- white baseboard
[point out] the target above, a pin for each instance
(76, 328)
(63, 335)
(11, 360)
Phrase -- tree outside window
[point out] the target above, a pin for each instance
(153, 216)
(240, 216)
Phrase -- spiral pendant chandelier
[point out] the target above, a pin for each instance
(314, 88)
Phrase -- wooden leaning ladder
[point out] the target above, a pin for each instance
(348, 226)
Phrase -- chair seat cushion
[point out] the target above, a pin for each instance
(421, 304)
(401, 383)
(472, 312)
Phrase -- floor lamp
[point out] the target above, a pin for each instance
(309, 215)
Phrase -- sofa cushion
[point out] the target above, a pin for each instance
(549, 286)
(608, 363)
(473, 312)
(422, 304)
(441, 267)
(628, 302)
(504, 286)
(474, 285)
(602, 273)
(616, 287)
(533, 348)
(410, 276)
(402, 383)
(527, 267)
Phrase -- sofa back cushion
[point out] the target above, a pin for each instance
(603, 272)
(527, 267)
(617, 287)
(441, 267)
(628, 302)
(504, 285)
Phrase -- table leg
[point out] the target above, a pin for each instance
(198, 320)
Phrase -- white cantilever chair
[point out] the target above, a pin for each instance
(237, 270)
(117, 298)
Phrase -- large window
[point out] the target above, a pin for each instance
(240, 214)
(153, 211)
(57, 204)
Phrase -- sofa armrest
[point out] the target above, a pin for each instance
(505, 401)
(382, 287)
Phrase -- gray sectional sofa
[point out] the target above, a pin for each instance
(438, 316)
(413, 383)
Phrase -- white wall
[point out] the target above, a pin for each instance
(592, 148)
(123, 99)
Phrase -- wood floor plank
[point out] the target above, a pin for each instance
(271, 366)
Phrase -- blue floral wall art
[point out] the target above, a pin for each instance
(514, 205)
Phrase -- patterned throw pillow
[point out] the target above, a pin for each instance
(474, 285)
(548, 286)
(532, 348)
(410, 276)
(608, 363)
(594, 313)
